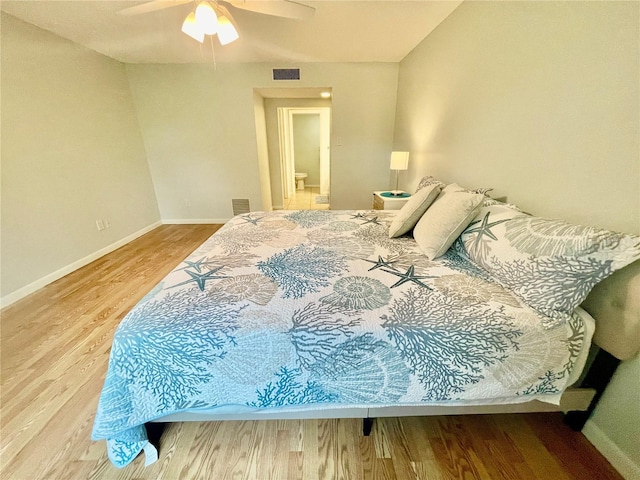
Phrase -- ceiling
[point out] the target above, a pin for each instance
(340, 31)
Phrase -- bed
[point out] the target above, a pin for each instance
(317, 314)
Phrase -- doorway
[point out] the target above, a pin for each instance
(304, 137)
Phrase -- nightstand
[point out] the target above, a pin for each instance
(381, 202)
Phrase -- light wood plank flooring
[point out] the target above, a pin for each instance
(55, 347)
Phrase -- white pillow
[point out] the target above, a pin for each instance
(552, 265)
(410, 213)
(445, 220)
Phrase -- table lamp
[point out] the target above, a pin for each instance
(399, 161)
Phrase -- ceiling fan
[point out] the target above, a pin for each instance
(211, 17)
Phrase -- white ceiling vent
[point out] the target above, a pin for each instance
(240, 206)
(286, 74)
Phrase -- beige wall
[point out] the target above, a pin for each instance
(538, 100)
(199, 131)
(262, 148)
(72, 153)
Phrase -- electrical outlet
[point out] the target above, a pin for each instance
(107, 223)
(100, 224)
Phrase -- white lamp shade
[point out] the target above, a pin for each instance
(206, 18)
(191, 28)
(227, 33)
(399, 160)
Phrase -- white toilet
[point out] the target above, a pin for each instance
(300, 180)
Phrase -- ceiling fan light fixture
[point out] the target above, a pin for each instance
(191, 27)
(206, 18)
(227, 33)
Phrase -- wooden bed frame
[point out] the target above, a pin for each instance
(615, 306)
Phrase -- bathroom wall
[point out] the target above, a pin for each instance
(306, 146)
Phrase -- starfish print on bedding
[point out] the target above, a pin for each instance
(200, 279)
(358, 215)
(370, 220)
(483, 229)
(248, 219)
(409, 276)
(380, 263)
(197, 265)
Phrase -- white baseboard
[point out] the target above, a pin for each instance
(52, 277)
(617, 458)
(193, 221)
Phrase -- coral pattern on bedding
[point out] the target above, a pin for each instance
(550, 264)
(321, 308)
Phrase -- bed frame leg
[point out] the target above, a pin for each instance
(367, 425)
(154, 432)
(598, 376)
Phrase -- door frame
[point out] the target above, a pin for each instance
(287, 157)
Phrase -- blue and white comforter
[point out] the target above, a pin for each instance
(321, 308)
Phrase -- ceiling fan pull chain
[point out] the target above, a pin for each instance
(213, 53)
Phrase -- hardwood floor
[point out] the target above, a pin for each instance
(55, 348)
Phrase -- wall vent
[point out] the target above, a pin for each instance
(286, 74)
(240, 206)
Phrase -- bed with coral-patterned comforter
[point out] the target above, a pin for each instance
(320, 309)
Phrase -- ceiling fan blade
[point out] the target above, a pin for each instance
(278, 8)
(151, 6)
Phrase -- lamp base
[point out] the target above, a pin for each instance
(396, 193)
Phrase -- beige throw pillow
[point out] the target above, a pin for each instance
(429, 180)
(410, 213)
(445, 220)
